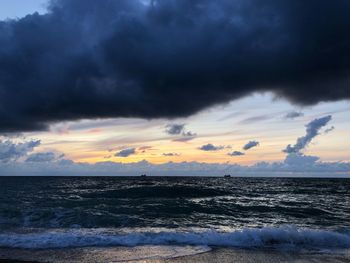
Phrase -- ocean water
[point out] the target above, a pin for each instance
(72, 212)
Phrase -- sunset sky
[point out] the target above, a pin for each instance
(232, 126)
(246, 128)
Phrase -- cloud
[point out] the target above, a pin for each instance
(171, 154)
(174, 129)
(329, 130)
(179, 129)
(146, 148)
(88, 59)
(12, 151)
(312, 130)
(256, 119)
(236, 153)
(295, 164)
(293, 115)
(16, 158)
(300, 160)
(250, 144)
(126, 152)
(210, 147)
(184, 139)
(44, 157)
(189, 134)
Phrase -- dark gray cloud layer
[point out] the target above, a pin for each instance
(172, 58)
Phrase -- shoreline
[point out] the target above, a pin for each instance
(232, 255)
(127, 254)
(16, 261)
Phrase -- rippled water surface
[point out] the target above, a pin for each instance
(196, 204)
(173, 202)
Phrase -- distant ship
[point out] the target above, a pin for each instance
(143, 175)
(227, 175)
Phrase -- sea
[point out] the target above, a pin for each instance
(184, 212)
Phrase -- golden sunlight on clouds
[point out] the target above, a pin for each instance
(227, 127)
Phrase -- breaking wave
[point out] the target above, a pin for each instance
(269, 237)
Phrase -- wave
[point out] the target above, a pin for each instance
(157, 192)
(279, 237)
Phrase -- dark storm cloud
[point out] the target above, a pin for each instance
(210, 147)
(126, 152)
(312, 130)
(236, 153)
(172, 58)
(250, 144)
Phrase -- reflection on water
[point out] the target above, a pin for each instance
(215, 203)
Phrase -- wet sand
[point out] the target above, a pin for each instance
(122, 254)
(254, 256)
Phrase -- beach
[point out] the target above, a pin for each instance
(123, 254)
(228, 255)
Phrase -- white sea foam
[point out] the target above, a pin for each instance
(285, 237)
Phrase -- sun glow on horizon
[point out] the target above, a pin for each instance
(228, 128)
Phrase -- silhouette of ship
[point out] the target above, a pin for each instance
(227, 175)
(143, 175)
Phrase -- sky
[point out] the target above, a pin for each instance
(13, 9)
(174, 88)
